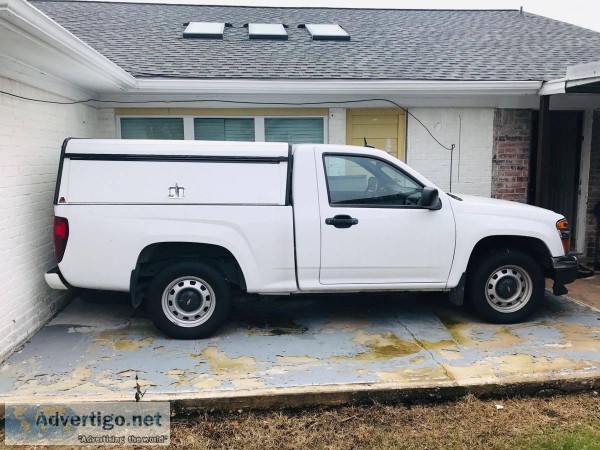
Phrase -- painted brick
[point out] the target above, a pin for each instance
(472, 160)
(30, 138)
(511, 148)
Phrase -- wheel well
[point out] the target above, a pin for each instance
(156, 256)
(532, 246)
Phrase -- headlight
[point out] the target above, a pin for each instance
(565, 234)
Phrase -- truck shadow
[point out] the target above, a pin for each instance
(297, 314)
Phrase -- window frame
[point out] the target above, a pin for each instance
(325, 126)
(193, 130)
(362, 205)
(206, 33)
(118, 123)
(340, 34)
(267, 35)
(259, 123)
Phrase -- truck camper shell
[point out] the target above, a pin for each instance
(103, 171)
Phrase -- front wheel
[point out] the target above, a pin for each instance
(188, 300)
(505, 286)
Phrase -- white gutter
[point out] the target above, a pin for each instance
(562, 85)
(370, 87)
(25, 19)
(577, 75)
(553, 87)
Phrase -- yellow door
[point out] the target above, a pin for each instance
(384, 128)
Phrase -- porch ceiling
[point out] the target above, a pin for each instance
(587, 88)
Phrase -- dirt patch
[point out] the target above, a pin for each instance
(468, 423)
(558, 422)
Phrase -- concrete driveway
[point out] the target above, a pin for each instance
(299, 351)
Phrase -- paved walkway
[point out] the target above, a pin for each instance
(298, 351)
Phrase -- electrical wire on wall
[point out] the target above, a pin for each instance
(241, 102)
(452, 155)
(459, 138)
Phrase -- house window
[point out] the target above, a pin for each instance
(224, 129)
(151, 128)
(295, 130)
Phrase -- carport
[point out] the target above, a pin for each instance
(562, 154)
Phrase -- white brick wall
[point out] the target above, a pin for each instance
(107, 125)
(474, 174)
(337, 126)
(30, 138)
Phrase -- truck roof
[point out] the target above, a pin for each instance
(167, 147)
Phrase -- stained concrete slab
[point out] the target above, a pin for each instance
(292, 351)
(586, 290)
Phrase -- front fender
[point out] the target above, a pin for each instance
(474, 227)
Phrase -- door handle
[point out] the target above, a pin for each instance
(341, 221)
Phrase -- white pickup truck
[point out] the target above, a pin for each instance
(180, 224)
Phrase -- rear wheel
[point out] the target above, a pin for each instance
(505, 286)
(188, 300)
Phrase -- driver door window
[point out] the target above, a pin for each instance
(365, 181)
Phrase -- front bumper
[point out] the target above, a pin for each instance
(565, 269)
(55, 279)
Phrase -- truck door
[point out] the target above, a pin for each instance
(373, 230)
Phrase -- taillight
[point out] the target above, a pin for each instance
(565, 234)
(61, 234)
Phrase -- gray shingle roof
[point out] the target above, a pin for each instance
(146, 40)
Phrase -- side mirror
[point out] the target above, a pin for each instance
(431, 198)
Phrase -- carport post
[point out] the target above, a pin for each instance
(543, 129)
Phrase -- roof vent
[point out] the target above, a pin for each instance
(326, 32)
(267, 31)
(207, 30)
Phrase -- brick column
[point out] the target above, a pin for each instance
(511, 149)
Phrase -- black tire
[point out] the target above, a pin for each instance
(202, 287)
(514, 300)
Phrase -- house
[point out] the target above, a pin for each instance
(498, 103)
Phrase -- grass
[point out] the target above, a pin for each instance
(569, 422)
(579, 439)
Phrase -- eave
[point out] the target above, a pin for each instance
(581, 78)
(37, 50)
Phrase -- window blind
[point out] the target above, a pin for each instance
(224, 129)
(151, 128)
(295, 130)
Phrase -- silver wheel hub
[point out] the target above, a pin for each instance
(188, 301)
(508, 289)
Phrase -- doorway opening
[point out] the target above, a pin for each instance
(560, 165)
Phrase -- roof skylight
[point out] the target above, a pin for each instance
(327, 32)
(267, 31)
(209, 30)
